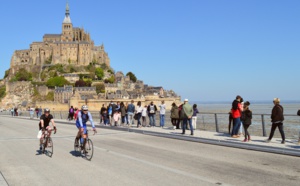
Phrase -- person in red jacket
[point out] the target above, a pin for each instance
(236, 111)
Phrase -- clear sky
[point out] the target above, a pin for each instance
(205, 50)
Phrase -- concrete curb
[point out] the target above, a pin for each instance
(247, 146)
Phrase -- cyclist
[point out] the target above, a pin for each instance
(45, 119)
(83, 116)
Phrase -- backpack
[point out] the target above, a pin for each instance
(152, 109)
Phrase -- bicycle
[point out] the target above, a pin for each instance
(86, 152)
(47, 144)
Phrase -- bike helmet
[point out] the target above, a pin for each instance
(84, 107)
(47, 110)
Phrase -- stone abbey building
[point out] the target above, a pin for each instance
(72, 46)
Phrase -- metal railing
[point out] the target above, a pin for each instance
(208, 121)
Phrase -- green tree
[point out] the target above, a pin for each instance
(22, 75)
(100, 88)
(131, 76)
(2, 92)
(110, 80)
(57, 82)
(80, 83)
(50, 96)
(6, 73)
(99, 73)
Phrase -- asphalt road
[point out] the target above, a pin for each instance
(123, 158)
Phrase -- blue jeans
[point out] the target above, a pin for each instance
(236, 126)
(162, 120)
(152, 119)
(185, 121)
(130, 118)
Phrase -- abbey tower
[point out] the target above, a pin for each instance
(72, 46)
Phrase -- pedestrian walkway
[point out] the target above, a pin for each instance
(258, 143)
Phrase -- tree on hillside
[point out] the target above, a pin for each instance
(131, 76)
(2, 92)
(110, 80)
(99, 73)
(22, 75)
(100, 88)
(57, 82)
(80, 83)
(6, 73)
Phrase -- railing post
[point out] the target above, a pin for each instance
(60, 115)
(216, 121)
(263, 125)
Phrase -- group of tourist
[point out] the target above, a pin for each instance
(241, 116)
(120, 114)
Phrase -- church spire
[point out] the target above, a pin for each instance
(67, 14)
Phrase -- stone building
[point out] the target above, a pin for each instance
(72, 78)
(73, 46)
(63, 94)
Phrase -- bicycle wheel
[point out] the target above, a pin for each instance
(89, 150)
(49, 147)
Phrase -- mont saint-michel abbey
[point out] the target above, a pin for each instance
(72, 46)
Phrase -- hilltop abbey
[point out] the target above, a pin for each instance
(72, 46)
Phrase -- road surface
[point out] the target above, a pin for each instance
(124, 158)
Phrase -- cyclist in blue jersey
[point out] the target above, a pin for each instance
(83, 116)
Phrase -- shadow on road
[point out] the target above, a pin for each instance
(75, 153)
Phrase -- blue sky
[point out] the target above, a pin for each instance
(205, 50)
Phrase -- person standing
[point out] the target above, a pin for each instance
(71, 113)
(130, 113)
(123, 113)
(101, 112)
(40, 111)
(162, 112)
(37, 112)
(175, 116)
(152, 109)
(144, 115)
(246, 120)
(236, 111)
(139, 110)
(109, 112)
(187, 113)
(12, 111)
(194, 118)
(277, 120)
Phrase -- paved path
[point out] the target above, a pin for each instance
(128, 158)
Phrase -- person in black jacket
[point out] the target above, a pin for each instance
(277, 120)
(246, 119)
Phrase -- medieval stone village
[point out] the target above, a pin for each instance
(68, 69)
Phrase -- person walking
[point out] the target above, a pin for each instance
(12, 111)
(152, 109)
(187, 113)
(277, 120)
(194, 117)
(246, 120)
(236, 111)
(162, 112)
(175, 116)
